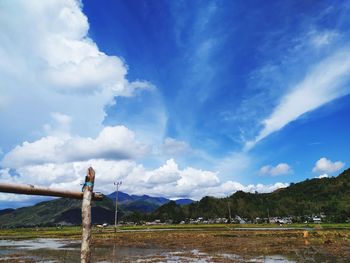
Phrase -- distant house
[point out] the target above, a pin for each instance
(239, 220)
(317, 220)
(197, 221)
(221, 220)
(280, 220)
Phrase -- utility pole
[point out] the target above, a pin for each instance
(117, 184)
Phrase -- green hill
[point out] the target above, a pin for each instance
(328, 196)
(61, 211)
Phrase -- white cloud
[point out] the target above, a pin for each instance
(53, 76)
(60, 126)
(280, 169)
(54, 39)
(116, 143)
(167, 173)
(261, 188)
(323, 83)
(168, 180)
(322, 176)
(48, 64)
(325, 165)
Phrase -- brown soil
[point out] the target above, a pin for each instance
(319, 246)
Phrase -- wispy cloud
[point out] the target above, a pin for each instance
(326, 81)
(321, 39)
(173, 147)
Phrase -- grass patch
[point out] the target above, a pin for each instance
(75, 231)
(69, 232)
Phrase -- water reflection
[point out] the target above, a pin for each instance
(59, 250)
(39, 243)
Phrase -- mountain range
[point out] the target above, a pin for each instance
(64, 211)
(143, 203)
(329, 197)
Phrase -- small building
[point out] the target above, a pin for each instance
(317, 220)
(239, 220)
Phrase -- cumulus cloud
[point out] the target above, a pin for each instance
(58, 37)
(168, 173)
(56, 84)
(323, 83)
(49, 64)
(116, 143)
(60, 126)
(168, 180)
(279, 169)
(322, 176)
(325, 165)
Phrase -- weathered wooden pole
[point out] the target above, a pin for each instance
(28, 189)
(87, 195)
(86, 216)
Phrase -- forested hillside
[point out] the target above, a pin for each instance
(329, 196)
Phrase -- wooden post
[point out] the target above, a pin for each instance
(28, 189)
(86, 216)
(87, 195)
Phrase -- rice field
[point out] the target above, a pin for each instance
(200, 243)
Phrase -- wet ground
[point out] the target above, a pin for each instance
(187, 246)
(59, 250)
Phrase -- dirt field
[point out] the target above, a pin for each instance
(318, 246)
(200, 245)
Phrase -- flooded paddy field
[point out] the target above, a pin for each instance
(185, 246)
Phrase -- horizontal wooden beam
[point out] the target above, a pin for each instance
(28, 189)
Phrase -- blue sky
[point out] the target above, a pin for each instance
(175, 98)
(222, 66)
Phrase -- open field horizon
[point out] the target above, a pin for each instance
(205, 244)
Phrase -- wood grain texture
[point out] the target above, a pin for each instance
(86, 216)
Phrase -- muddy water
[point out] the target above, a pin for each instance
(60, 250)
